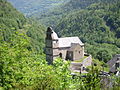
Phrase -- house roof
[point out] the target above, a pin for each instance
(67, 41)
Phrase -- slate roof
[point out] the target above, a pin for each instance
(67, 41)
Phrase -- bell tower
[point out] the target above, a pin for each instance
(52, 43)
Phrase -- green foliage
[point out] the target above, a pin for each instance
(63, 73)
(108, 49)
(18, 61)
(13, 59)
(23, 65)
(100, 65)
(11, 20)
(32, 7)
(97, 26)
(116, 82)
(53, 16)
(23, 69)
(36, 32)
(103, 55)
(92, 80)
(9, 14)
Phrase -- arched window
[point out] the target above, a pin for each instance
(60, 55)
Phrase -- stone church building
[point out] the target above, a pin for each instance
(68, 48)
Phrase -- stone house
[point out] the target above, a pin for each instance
(114, 63)
(68, 48)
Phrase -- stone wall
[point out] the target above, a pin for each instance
(112, 63)
(80, 66)
(78, 53)
(64, 52)
(87, 61)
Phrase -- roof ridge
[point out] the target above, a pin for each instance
(69, 37)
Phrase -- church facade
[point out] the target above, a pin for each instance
(68, 48)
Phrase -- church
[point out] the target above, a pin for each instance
(67, 48)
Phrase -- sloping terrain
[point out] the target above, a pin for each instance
(31, 7)
(12, 21)
(96, 22)
(53, 16)
(98, 25)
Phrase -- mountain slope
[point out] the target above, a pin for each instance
(97, 25)
(52, 17)
(31, 7)
(12, 21)
(82, 4)
(96, 19)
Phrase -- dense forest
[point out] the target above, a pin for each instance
(97, 26)
(96, 22)
(53, 16)
(32, 7)
(22, 62)
(12, 21)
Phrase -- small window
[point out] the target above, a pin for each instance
(60, 55)
(118, 59)
(79, 52)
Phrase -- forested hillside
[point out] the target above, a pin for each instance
(98, 25)
(20, 66)
(82, 4)
(96, 22)
(53, 16)
(23, 65)
(12, 21)
(31, 7)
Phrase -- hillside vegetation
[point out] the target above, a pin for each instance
(22, 68)
(53, 16)
(32, 7)
(12, 21)
(22, 62)
(96, 22)
(97, 26)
